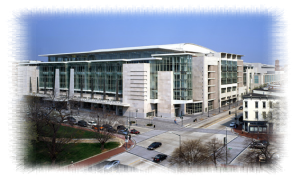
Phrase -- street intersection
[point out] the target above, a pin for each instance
(167, 132)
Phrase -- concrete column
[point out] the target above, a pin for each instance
(57, 86)
(165, 106)
(71, 85)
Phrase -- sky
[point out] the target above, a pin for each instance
(248, 34)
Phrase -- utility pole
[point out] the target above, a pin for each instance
(226, 145)
(208, 109)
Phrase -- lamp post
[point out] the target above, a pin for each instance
(208, 109)
(226, 144)
(219, 105)
(98, 126)
(179, 139)
(136, 116)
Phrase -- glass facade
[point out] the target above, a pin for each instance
(106, 56)
(192, 108)
(182, 76)
(88, 74)
(229, 72)
(85, 75)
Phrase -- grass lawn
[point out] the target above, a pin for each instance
(38, 155)
(68, 132)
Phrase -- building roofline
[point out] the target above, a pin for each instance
(173, 47)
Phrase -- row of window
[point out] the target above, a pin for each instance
(264, 114)
(264, 103)
(229, 89)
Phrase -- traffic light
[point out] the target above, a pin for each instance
(126, 137)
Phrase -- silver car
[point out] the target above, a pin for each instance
(92, 123)
(111, 164)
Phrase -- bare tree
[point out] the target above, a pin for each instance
(103, 137)
(261, 151)
(47, 119)
(191, 153)
(216, 150)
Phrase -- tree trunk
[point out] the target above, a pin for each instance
(102, 146)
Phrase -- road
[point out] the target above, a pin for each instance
(140, 159)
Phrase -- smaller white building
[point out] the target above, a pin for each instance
(260, 110)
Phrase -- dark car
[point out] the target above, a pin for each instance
(257, 145)
(111, 130)
(107, 126)
(123, 132)
(134, 131)
(82, 123)
(241, 108)
(154, 145)
(120, 127)
(71, 120)
(159, 157)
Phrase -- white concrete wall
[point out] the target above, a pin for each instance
(136, 89)
(24, 74)
(165, 107)
(251, 108)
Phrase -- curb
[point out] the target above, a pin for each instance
(120, 141)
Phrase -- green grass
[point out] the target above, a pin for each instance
(68, 132)
(37, 153)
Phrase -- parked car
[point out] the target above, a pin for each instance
(121, 127)
(107, 126)
(134, 131)
(123, 132)
(257, 145)
(92, 123)
(159, 157)
(111, 164)
(232, 124)
(96, 127)
(154, 145)
(241, 108)
(71, 120)
(82, 123)
(111, 130)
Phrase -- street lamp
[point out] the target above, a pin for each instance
(136, 116)
(179, 139)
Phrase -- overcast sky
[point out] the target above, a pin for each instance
(248, 34)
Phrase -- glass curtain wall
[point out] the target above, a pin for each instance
(103, 72)
(192, 108)
(101, 56)
(182, 76)
(229, 72)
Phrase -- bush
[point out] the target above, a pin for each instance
(132, 122)
(149, 124)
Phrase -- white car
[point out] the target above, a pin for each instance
(92, 123)
(232, 124)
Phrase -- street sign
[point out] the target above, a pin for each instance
(229, 148)
(126, 140)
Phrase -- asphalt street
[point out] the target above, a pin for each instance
(207, 126)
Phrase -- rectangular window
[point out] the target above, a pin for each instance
(256, 104)
(223, 90)
(256, 81)
(264, 104)
(270, 104)
(246, 114)
(246, 104)
(264, 115)
(256, 115)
